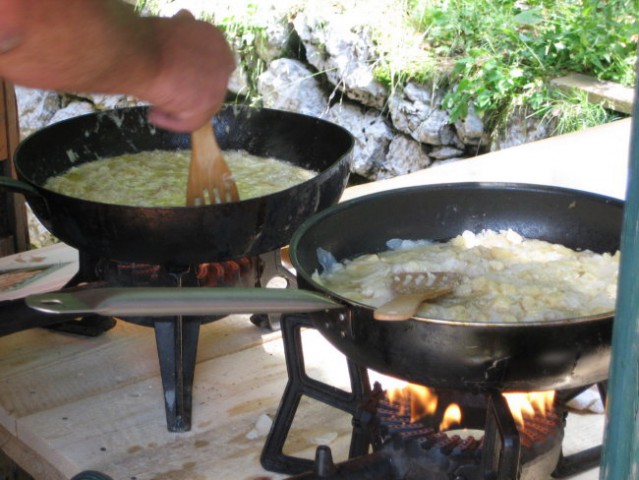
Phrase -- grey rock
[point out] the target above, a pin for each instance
(341, 49)
(35, 108)
(448, 136)
(445, 153)
(521, 129)
(73, 109)
(238, 82)
(471, 129)
(405, 155)
(107, 102)
(409, 107)
(432, 129)
(276, 36)
(416, 111)
(372, 136)
(288, 85)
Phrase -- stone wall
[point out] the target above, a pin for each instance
(319, 61)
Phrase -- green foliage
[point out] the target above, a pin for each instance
(503, 52)
(574, 112)
(246, 37)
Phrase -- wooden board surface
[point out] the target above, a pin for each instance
(76, 404)
(97, 403)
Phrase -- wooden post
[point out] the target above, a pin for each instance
(620, 458)
(14, 233)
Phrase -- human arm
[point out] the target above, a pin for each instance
(179, 65)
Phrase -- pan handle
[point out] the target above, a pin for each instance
(186, 301)
(19, 186)
(16, 316)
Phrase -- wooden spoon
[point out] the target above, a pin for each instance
(210, 178)
(413, 289)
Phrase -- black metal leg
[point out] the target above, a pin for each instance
(89, 325)
(361, 388)
(299, 384)
(579, 462)
(176, 340)
(502, 449)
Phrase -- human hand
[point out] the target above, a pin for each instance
(195, 65)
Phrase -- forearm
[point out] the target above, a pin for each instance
(78, 45)
(179, 65)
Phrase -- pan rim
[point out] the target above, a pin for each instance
(142, 110)
(519, 186)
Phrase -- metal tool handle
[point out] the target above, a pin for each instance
(186, 301)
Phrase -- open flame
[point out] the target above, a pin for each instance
(452, 416)
(529, 404)
(423, 401)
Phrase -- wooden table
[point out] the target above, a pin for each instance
(69, 404)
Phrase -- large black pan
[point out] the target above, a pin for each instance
(445, 354)
(529, 356)
(182, 235)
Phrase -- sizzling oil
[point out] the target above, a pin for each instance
(158, 178)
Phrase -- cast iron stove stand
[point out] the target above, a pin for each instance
(176, 339)
(501, 443)
(299, 384)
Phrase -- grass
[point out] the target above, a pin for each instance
(500, 54)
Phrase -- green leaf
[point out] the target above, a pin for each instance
(529, 17)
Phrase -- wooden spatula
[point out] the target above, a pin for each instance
(412, 289)
(210, 178)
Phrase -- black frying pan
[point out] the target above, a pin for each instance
(182, 235)
(543, 355)
(444, 354)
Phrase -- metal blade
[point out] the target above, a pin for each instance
(171, 301)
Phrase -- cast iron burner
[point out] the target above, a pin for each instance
(416, 450)
(386, 445)
(176, 337)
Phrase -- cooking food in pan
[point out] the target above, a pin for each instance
(157, 178)
(182, 235)
(509, 356)
(502, 277)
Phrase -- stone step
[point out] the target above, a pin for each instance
(609, 94)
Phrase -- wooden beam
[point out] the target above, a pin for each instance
(608, 94)
(14, 233)
(25, 458)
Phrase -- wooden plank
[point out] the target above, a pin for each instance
(122, 432)
(13, 207)
(583, 431)
(40, 369)
(608, 94)
(64, 367)
(28, 460)
(4, 140)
